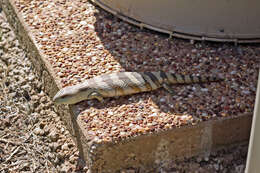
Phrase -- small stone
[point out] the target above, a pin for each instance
(204, 89)
(216, 166)
(162, 100)
(91, 26)
(128, 171)
(56, 161)
(194, 50)
(65, 169)
(26, 87)
(51, 155)
(153, 115)
(206, 159)
(198, 159)
(31, 77)
(233, 72)
(65, 49)
(53, 136)
(240, 168)
(3, 109)
(83, 23)
(110, 113)
(43, 99)
(72, 159)
(65, 146)
(99, 46)
(35, 98)
(38, 131)
(6, 122)
(204, 114)
(246, 92)
(54, 146)
(45, 39)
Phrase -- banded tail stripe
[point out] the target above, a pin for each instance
(154, 79)
(151, 80)
(164, 76)
(136, 81)
(187, 79)
(172, 78)
(180, 78)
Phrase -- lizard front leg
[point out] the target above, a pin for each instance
(96, 95)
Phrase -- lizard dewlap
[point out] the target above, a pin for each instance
(125, 83)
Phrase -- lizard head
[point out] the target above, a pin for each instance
(75, 94)
(67, 95)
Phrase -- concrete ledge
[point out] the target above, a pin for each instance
(149, 151)
(143, 152)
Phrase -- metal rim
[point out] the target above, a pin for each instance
(169, 32)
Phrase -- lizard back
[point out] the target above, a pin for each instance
(125, 83)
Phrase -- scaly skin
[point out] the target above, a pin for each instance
(125, 83)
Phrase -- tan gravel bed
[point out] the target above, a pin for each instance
(82, 41)
(32, 136)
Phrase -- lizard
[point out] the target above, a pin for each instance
(125, 83)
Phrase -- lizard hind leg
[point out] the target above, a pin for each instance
(168, 88)
(96, 95)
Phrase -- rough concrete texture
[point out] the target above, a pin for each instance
(150, 151)
(145, 151)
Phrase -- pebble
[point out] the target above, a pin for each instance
(233, 72)
(35, 98)
(216, 166)
(153, 115)
(65, 49)
(206, 159)
(54, 146)
(51, 155)
(246, 92)
(38, 131)
(43, 99)
(72, 159)
(204, 114)
(162, 99)
(64, 169)
(128, 171)
(240, 168)
(65, 146)
(31, 77)
(204, 89)
(56, 161)
(110, 113)
(53, 136)
(83, 23)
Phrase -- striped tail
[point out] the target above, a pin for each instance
(172, 78)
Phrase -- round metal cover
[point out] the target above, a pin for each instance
(218, 20)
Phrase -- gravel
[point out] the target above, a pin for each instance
(32, 136)
(81, 41)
